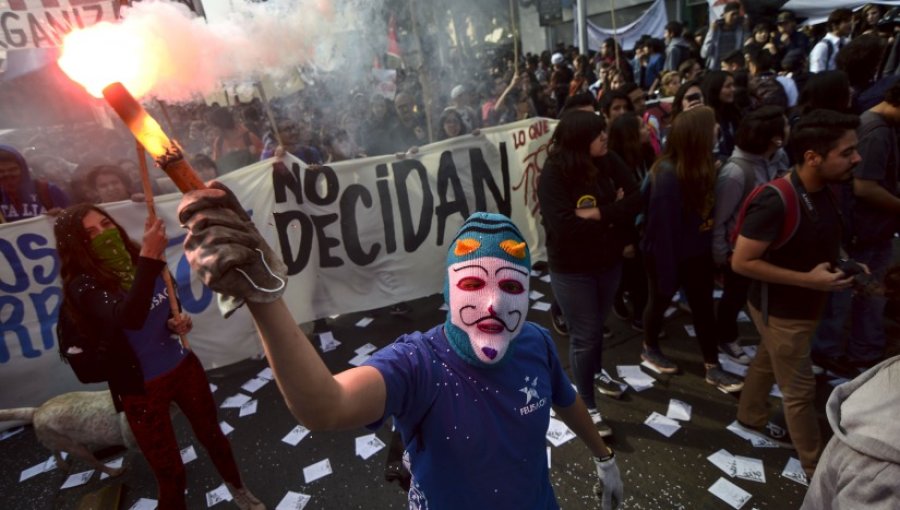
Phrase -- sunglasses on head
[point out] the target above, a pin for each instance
(696, 96)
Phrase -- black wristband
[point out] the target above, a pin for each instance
(611, 456)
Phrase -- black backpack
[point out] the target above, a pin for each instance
(80, 349)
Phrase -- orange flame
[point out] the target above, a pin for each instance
(106, 53)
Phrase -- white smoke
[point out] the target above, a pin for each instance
(270, 39)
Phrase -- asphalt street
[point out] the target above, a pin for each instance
(659, 472)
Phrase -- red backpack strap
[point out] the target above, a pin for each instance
(791, 223)
(742, 214)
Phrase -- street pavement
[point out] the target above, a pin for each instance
(659, 472)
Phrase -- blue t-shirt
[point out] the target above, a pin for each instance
(157, 349)
(475, 436)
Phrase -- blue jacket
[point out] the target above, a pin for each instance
(24, 201)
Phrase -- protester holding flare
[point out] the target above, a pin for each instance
(109, 279)
(479, 446)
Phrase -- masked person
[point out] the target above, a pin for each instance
(471, 397)
(111, 280)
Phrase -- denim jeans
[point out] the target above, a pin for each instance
(866, 313)
(585, 300)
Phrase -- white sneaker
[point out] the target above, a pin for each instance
(602, 428)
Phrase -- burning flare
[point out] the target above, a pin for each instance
(105, 54)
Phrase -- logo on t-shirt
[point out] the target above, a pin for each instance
(586, 202)
(533, 400)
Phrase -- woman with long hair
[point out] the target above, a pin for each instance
(677, 241)
(689, 95)
(718, 91)
(109, 279)
(629, 138)
(588, 199)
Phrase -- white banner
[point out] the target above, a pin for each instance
(652, 22)
(43, 23)
(356, 235)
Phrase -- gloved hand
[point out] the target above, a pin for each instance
(610, 483)
(226, 250)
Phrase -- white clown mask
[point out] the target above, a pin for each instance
(488, 303)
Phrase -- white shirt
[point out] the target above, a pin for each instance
(818, 57)
(790, 89)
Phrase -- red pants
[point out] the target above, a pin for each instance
(148, 415)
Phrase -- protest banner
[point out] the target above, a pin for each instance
(356, 235)
(44, 23)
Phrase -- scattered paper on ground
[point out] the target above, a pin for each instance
(670, 311)
(295, 435)
(635, 377)
(679, 410)
(794, 471)
(690, 330)
(318, 470)
(6, 434)
(327, 342)
(546, 278)
(443, 307)
(266, 373)
(254, 384)
(218, 495)
(730, 493)
(558, 433)
(661, 424)
(368, 445)
(144, 504)
(743, 317)
(776, 392)
(77, 479)
(115, 464)
(750, 469)
(249, 408)
(541, 306)
(293, 501)
(535, 295)
(365, 321)
(212, 388)
(366, 349)
(226, 428)
(755, 440)
(724, 461)
(359, 359)
(188, 454)
(235, 401)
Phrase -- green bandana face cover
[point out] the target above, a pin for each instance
(110, 249)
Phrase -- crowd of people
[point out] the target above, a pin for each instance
(757, 157)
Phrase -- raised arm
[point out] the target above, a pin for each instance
(318, 399)
(221, 237)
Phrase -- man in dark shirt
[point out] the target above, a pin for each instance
(874, 219)
(792, 282)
